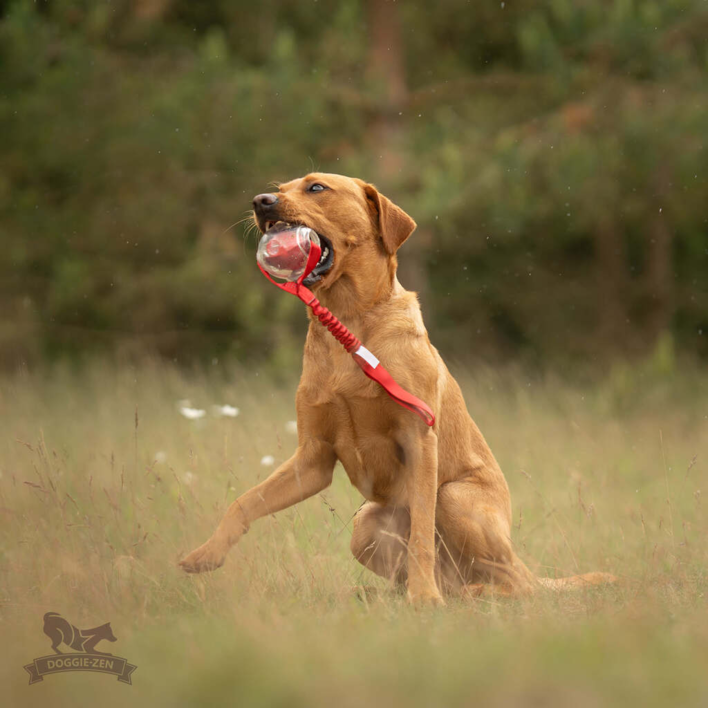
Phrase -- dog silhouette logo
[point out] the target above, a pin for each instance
(85, 656)
(61, 632)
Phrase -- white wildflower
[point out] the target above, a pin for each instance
(192, 413)
(291, 427)
(160, 457)
(189, 477)
(225, 410)
(267, 460)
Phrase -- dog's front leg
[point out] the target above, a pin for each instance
(423, 492)
(306, 473)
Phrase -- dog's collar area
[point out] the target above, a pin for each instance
(366, 361)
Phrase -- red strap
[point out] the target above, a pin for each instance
(368, 363)
(378, 373)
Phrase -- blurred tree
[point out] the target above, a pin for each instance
(553, 156)
(388, 84)
(387, 134)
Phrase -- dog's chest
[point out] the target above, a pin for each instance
(373, 460)
(374, 470)
(360, 422)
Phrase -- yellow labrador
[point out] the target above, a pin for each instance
(438, 513)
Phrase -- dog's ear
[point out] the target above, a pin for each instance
(395, 226)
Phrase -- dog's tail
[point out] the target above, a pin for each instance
(575, 582)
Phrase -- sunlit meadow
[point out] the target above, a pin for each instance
(108, 475)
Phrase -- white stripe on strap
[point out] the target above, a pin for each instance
(367, 356)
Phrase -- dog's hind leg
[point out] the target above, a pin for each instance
(306, 473)
(472, 539)
(475, 541)
(380, 540)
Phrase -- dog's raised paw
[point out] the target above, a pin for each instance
(203, 559)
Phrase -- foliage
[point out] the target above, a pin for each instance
(553, 155)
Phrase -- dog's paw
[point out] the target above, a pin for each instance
(429, 597)
(209, 556)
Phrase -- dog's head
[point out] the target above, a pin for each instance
(104, 631)
(360, 229)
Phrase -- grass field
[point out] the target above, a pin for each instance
(104, 485)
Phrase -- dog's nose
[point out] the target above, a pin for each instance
(263, 202)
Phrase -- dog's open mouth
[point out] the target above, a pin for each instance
(326, 259)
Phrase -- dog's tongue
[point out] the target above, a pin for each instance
(283, 252)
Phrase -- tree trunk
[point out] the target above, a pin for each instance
(151, 10)
(386, 70)
(611, 276)
(658, 279)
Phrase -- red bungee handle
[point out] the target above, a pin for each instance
(368, 363)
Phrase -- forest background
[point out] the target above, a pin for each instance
(553, 155)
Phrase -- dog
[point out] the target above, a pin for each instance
(437, 516)
(85, 640)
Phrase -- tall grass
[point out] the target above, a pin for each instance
(104, 485)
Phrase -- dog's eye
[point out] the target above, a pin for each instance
(316, 187)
